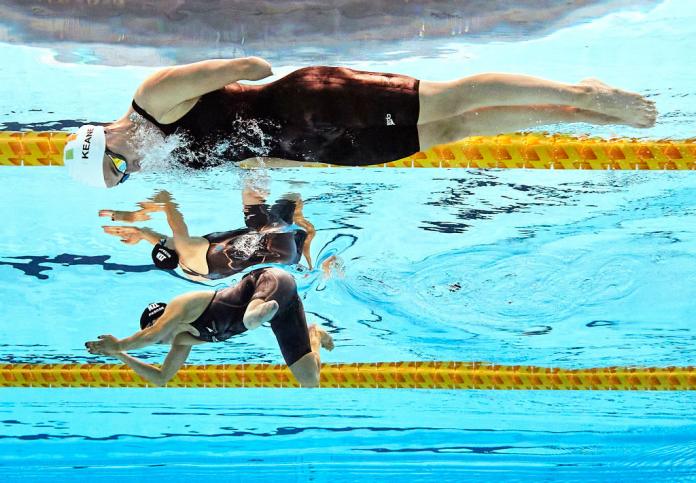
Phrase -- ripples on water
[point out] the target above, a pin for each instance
(376, 435)
(554, 268)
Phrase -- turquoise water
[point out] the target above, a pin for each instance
(571, 269)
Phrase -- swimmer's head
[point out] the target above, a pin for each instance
(164, 257)
(90, 161)
(151, 313)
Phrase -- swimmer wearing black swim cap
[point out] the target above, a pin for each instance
(263, 295)
(164, 257)
(332, 115)
(151, 313)
(272, 235)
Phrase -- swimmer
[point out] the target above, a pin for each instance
(263, 295)
(329, 114)
(271, 236)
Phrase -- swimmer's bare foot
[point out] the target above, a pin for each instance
(316, 332)
(634, 109)
(259, 312)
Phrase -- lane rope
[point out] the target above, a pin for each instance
(528, 151)
(421, 375)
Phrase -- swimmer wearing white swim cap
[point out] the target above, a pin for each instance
(90, 162)
(331, 115)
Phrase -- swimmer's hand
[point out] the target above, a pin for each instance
(107, 345)
(126, 216)
(130, 235)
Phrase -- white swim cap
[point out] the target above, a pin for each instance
(84, 155)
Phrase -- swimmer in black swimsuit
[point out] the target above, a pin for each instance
(330, 114)
(271, 236)
(263, 295)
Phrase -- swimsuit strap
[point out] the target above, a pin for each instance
(188, 271)
(145, 114)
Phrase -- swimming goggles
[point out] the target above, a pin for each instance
(120, 164)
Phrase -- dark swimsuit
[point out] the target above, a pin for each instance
(321, 114)
(234, 251)
(223, 317)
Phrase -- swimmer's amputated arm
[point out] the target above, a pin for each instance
(168, 87)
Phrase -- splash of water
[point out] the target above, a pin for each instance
(174, 153)
(155, 150)
(246, 245)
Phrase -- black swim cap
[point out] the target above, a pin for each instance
(151, 313)
(164, 258)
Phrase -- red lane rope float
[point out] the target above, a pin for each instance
(529, 151)
(421, 375)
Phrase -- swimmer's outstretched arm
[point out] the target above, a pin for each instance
(169, 325)
(169, 87)
(186, 245)
(158, 376)
(178, 312)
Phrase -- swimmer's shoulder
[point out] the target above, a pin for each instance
(159, 104)
(170, 92)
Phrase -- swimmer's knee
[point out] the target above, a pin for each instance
(310, 380)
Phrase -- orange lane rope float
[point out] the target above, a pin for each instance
(421, 375)
(532, 151)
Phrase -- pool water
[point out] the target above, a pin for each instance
(566, 269)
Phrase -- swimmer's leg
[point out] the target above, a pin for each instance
(298, 343)
(439, 100)
(306, 369)
(497, 120)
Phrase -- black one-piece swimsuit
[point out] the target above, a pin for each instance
(269, 237)
(320, 114)
(224, 315)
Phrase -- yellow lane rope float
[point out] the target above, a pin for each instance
(532, 151)
(421, 375)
